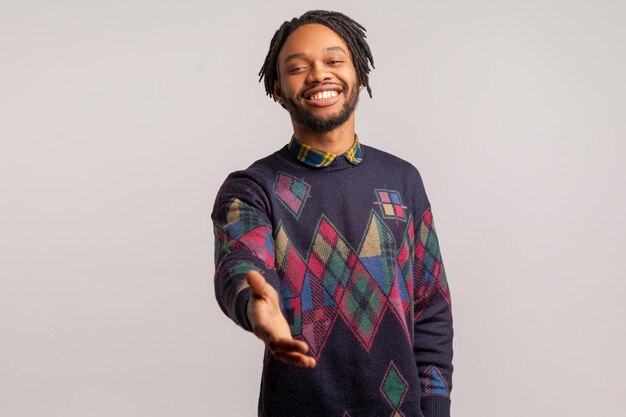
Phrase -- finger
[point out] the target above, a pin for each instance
(296, 359)
(288, 345)
(257, 283)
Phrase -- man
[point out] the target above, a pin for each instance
(326, 249)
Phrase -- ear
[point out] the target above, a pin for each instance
(278, 94)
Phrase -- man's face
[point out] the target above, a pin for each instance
(317, 79)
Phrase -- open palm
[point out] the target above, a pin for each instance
(270, 325)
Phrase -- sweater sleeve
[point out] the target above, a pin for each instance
(243, 242)
(433, 322)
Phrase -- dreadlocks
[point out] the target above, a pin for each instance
(351, 32)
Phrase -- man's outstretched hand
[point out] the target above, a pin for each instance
(269, 324)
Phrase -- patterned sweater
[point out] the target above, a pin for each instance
(352, 250)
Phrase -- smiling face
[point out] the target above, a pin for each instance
(317, 79)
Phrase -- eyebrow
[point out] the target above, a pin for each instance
(337, 48)
(301, 54)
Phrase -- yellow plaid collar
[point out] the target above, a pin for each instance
(318, 158)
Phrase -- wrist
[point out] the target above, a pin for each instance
(241, 309)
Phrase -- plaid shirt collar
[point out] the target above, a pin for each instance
(318, 158)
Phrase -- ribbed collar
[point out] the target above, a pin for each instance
(318, 158)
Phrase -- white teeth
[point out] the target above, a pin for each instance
(324, 94)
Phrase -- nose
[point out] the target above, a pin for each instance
(318, 73)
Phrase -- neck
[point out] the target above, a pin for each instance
(337, 141)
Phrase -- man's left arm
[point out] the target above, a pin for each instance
(433, 321)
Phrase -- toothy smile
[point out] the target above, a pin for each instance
(323, 94)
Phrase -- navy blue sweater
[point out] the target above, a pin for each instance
(353, 252)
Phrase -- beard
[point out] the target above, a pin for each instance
(322, 125)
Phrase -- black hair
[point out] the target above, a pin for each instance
(351, 32)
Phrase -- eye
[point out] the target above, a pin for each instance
(296, 69)
(335, 62)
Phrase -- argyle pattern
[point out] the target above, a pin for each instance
(239, 229)
(394, 388)
(292, 192)
(433, 383)
(292, 268)
(379, 253)
(363, 305)
(244, 229)
(430, 274)
(317, 318)
(336, 280)
(391, 206)
(353, 252)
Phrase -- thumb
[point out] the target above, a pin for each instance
(257, 283)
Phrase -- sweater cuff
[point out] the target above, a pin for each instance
(241, 309)
(435, 406)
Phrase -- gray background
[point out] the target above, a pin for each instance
(120, 119)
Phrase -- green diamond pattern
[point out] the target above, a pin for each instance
(394, 387)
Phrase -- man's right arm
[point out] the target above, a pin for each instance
(246, 283)
(243, 243)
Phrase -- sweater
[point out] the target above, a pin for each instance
(352, 250)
